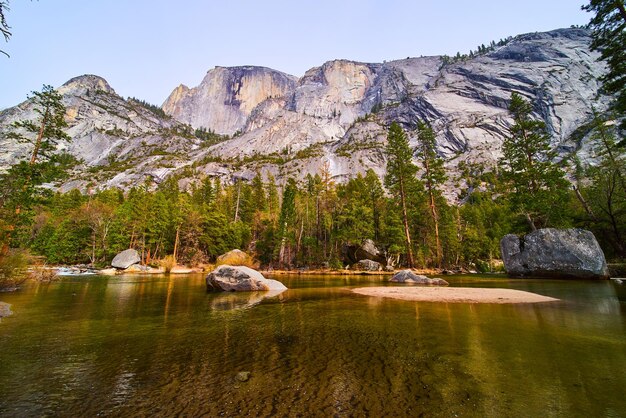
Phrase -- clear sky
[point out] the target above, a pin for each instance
(145, 48)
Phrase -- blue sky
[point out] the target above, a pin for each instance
(145, 48)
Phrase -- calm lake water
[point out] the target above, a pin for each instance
(159, 346)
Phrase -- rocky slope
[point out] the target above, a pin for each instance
(119, 142)
(336, 114)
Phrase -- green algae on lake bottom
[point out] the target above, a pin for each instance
(160, 346)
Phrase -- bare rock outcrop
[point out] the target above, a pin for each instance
(226, 97)
(554, 253)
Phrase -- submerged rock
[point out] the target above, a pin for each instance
(557, 253)
(240, 279)
(138, 268)
(407, 276)
(5, 309)
(233, 301)
(126, 259)
(243, 376)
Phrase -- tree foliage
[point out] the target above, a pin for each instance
(401, 180)
(537, 186)
(18, 190)
(4, 26)
(609, 38)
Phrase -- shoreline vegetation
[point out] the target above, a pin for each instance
(294, 222)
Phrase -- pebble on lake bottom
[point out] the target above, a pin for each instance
(243, 376)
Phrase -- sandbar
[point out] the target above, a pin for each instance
(454, 294)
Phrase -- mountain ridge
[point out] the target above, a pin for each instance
(336, 114)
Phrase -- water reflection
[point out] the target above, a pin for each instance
(230, 301)
(164, 347)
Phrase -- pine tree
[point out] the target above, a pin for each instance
(287, 216)
(44, 133)
(400, 178)
(273, 202)
(47, 130)
(539, 189)
(433, 176)
(609, 38)
(375, 200)
(605, 192)
(4, 26)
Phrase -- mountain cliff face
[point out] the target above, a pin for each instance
(226, 97)
(335, 115)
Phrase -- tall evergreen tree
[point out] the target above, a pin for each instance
(433, 176)
(375, 200)
(604, 193)
(44, 133)
(400, 178)
(287, 216)
(538, 185)
(47, 130)
(609, 38)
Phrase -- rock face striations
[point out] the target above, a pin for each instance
(226, 97)
(336, 115)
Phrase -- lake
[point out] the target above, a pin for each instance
(162, 346)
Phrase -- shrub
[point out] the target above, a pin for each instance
(168, 263)
(13, 268)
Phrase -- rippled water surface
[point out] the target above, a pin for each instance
(159, 346)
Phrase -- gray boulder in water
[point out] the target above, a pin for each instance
(407, 276)
(240, 279)
(125, 259)
(554, 253)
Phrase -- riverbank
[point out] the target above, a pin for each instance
(454, 294)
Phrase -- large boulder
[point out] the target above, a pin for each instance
(554, 253)
(240, 279)
(407, 276)
(367, 265)
(235, 258)
(367, 250)
(125, 259)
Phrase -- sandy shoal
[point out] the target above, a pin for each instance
(454, 294)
